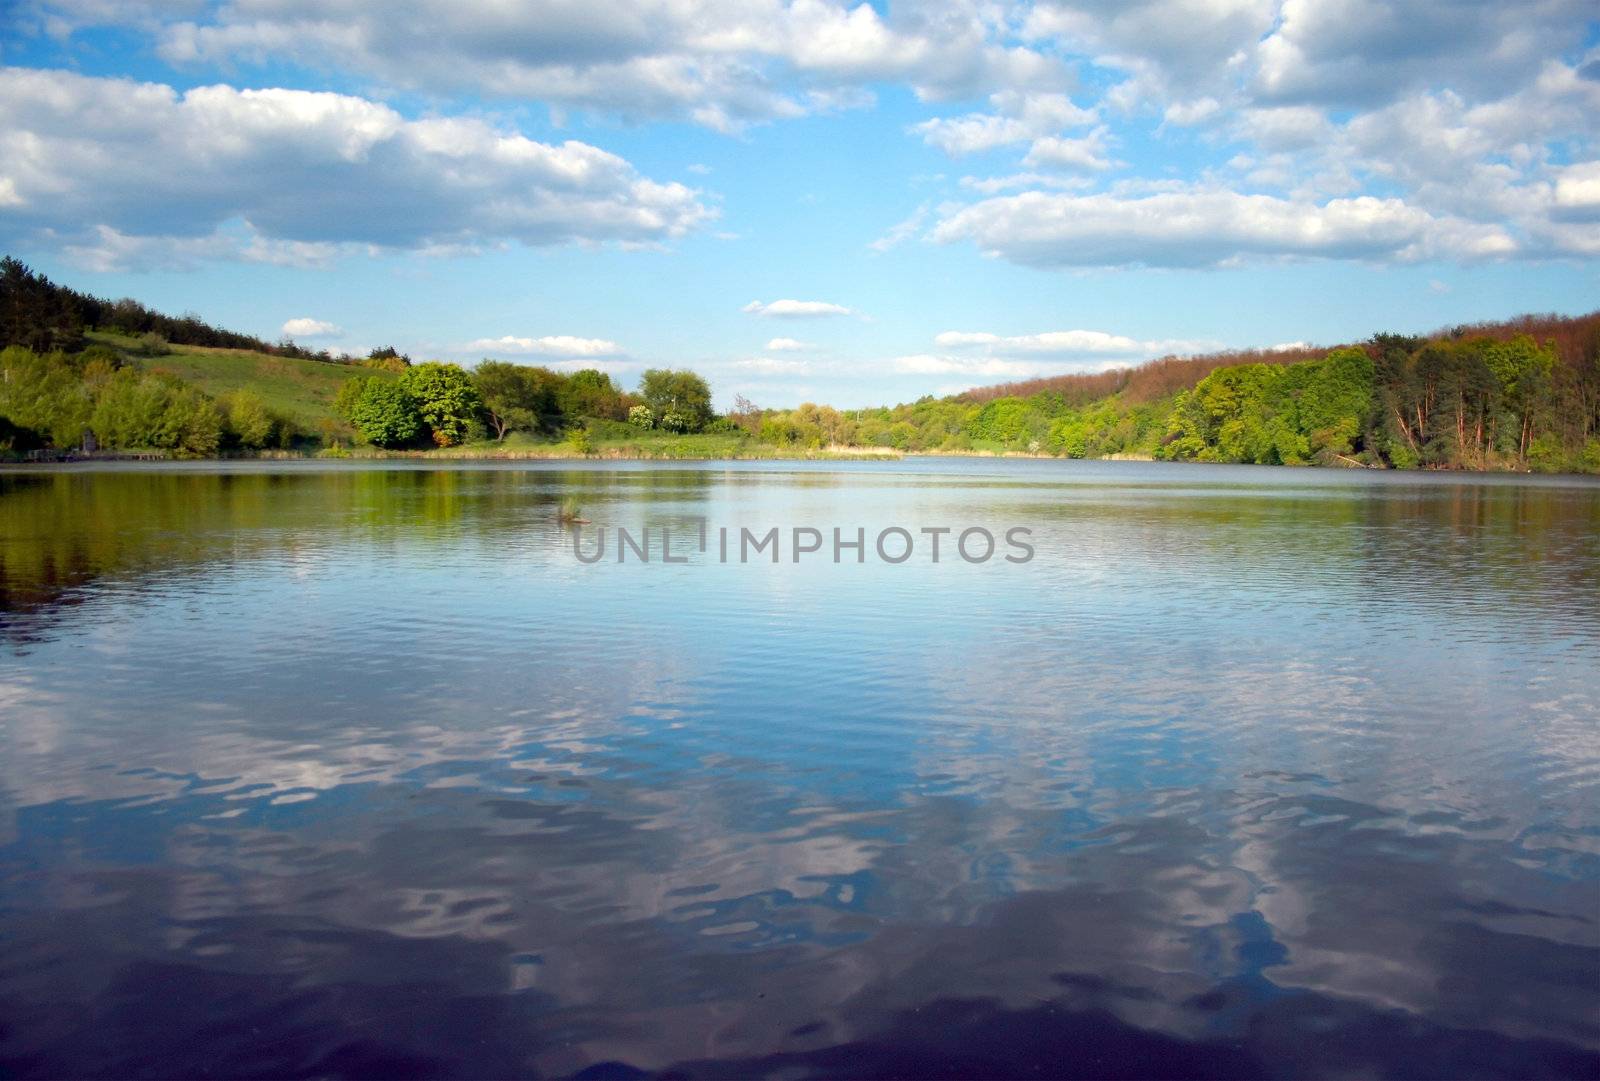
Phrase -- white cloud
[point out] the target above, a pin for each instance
(722, 63)
(1173, 49)
(991, 185)
(551, 345)
(1065, 343)
(1367, 52)
(1087, 153)
(105, 249)
(1577, 190)
(787, 345)
(795, 309)
(98, 163)
(310, 328)
(1017, 118)
(1187, 113)
(1205, 228)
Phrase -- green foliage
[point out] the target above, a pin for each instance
(97, 355)
(1004, 420)
(641, 416)
(515, 398)
(578, 440)
(151, 344)
(1547, 455)
(446, 399)
(387, 359)
(383, 411)
(679, 397)
(1589, 457)
(590, 393)
(154, 409)
(248, 422)
(37, 314)
(42, 398)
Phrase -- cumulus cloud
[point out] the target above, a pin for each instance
(1174, 49)
(796, 309)
(96, 162)
(310, 328)
(722, 63)
(1087, 153)
(1366, 52)
(787, 345)
(990, 185)
(1577, 190)
(551, 345)
(1016, 118)
(1194, 228)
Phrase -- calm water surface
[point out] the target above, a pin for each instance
(324, 771)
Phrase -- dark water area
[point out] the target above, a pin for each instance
(334, 771)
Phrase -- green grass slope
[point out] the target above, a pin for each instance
(302, 391)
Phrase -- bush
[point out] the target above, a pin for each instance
(156, 410)
(383, 411)
(641, 416)
(1589, 461)
(249, 423)
(1547, 455)
(151, 344)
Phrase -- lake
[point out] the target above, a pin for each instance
(331, 770)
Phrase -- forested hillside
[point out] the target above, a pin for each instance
(1523, 394)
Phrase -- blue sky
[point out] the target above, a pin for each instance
(806, 200)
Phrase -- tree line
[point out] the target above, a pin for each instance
(64, 400)
(445, 405)
(38, 314)
(1517, 395)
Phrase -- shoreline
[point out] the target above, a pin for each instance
(619, 454)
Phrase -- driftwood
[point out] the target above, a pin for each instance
(1358, 465)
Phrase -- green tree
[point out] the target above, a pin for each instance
(383, 411)
(681, 393)
(158, 410)
(591, 393)
(640, 416)
(515, 397)
(249, 422)
(43, 398)
(446, 399)
(1524, 374)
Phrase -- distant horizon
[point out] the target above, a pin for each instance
(810, 201)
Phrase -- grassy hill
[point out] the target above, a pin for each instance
(301, 391)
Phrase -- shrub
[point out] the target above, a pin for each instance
(383, 411)
(151, 344)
